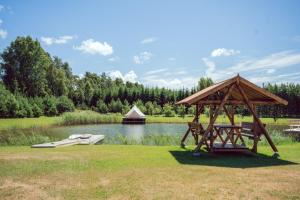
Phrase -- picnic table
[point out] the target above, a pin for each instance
(229, 136)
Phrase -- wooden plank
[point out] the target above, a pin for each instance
(207, 91)
(234, 102)
(257, 118)
(216, 113)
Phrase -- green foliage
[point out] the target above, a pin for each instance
(24, 66)
(191, 110)
(89, 117)
(149, 108)
(204, 83)
(140, 105)
(181, 111)
(168, 111)
(36, 110)
(126, 107)
(50, 106)
(102, 108)
(64, 104)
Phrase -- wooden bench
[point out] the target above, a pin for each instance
(249, 129)
(196, 128)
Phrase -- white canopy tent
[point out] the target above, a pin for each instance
(135, 113)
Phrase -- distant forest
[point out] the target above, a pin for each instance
(33, 83)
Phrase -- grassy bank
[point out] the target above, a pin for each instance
(146, 172)
(90, 117)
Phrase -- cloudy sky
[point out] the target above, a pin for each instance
(164, 43)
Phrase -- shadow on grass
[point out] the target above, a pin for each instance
(234, 160)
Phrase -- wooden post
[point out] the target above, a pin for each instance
(256, 118)
(210, 126)
(256, 138)
(196, 119)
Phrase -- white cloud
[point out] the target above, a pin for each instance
(224, 52)
(1, 21)
(113, 59)
(1, 7)
(252, 68)
(156, 71)
(142, 57)
(172, 59)
(211, 66)
(169, 78)
(130, 76)
(3, 33)
(148, 40)
(169, 82)
(60, 40)
(271, 71)
(93, 47)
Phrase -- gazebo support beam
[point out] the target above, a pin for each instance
(256, 118)
(229, 115)
(212, 121)
(196, 119)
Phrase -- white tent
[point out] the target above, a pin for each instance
(135, 113)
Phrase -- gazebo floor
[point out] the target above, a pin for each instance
(217, 147)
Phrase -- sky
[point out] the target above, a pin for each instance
(164, 43)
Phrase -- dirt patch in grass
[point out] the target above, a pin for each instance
(11, 189)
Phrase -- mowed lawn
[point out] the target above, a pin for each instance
(146, 172)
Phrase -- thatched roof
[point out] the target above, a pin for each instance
(255, 94)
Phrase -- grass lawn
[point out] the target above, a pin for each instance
(146, 172)
(28, 122)
(90, 117)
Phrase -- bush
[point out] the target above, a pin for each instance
(50, 106)
(64, 104)
(36, 110)
(181, 111)
(168, 111)
(102, 107)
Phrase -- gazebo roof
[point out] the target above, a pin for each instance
(255, 94)
(135, 113)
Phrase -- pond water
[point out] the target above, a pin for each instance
(134, 131)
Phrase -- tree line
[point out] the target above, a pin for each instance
(33, 83)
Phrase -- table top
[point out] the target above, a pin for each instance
(226, 126)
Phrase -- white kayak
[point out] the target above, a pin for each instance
(72, 140)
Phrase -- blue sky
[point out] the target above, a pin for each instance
(164, 43)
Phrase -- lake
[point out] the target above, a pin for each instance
(136, 132)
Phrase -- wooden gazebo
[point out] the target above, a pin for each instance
(226, 96)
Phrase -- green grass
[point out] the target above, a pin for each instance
(29, 122)
(90, 117)
(146, 172)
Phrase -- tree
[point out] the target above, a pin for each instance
(126, 107)
(204, 83)
(149, 108)
(102, 107)
(24, 65)
(64, 104)
(168, 111)
(50, 106)
(36, 110)
(181, 111)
